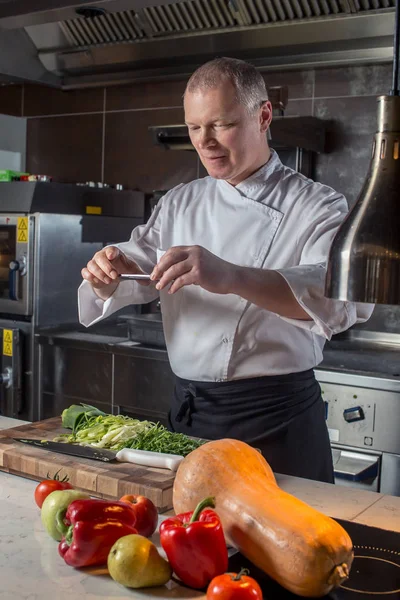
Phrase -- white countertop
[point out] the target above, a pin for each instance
(31, 569)
(8, 423)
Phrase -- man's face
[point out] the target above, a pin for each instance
(231, 142)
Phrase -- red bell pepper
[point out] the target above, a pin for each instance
(90, 528)
(195, 545)
(95, 509)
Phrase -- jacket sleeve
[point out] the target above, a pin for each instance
(142, 248)
(307, 280)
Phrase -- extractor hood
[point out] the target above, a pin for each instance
(305, 132)
(73, 44)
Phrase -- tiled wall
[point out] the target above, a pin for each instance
(101, 134)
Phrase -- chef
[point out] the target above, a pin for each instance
(238, 259)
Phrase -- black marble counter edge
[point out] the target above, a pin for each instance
(98, 340)
(105, 338)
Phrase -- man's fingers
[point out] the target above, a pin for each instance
(89, 277)
(98, 271)
(111, 270)
(109, 260)
(175, 271)
(171, 257)
(112, 252)
(180, 282)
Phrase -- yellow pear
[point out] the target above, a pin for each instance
(134, 562)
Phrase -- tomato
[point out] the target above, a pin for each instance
(234, 586)
(45, 487)
(146, 513)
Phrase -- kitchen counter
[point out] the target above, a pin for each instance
(8, 423)
(31, 569)
(362, 357)
(359, 361)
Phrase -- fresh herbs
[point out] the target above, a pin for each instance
(159, 439)
(115, 432)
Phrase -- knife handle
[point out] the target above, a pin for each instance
(149, 459)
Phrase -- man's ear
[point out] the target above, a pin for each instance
(265, 116)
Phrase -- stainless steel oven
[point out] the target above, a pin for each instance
(357, 468)
(363, 417)
(48, 232)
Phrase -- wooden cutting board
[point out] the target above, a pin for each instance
(104, 480)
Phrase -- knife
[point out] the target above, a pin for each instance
(138, 457)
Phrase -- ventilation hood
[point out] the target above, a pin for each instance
(305, 132)
(73, 44)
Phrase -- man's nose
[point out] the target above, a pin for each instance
(206, 138)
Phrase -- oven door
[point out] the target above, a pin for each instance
(356, 468)
(16, 264)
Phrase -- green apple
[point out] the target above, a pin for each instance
(134, 562)
(57, 501)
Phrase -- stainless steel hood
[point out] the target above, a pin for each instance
(78, 43)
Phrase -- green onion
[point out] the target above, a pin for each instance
(108, 431)
(72, 417)
(94, 428)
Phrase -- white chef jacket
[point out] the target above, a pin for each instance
(276, 219)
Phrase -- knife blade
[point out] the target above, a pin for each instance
(138, 457)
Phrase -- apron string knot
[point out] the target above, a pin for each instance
(187, 406)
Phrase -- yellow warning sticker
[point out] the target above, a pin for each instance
(22, 233)
(94, 210)
(22, 237)
(7, 342)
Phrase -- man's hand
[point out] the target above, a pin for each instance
(103, 270)
(193, 265)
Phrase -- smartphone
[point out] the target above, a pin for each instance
(136, 277)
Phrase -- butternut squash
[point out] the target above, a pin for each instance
(305, 551)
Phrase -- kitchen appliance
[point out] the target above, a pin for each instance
(79, 43)
(48, 232)
(375, 571)
(138, 457)
(364, 259)
(360, 383)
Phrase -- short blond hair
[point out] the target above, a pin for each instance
(248, 83)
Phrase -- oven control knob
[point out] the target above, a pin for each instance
(6, 377)
(355, 413)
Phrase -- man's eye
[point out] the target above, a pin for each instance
(193, 128)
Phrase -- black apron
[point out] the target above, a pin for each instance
(282, 415)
